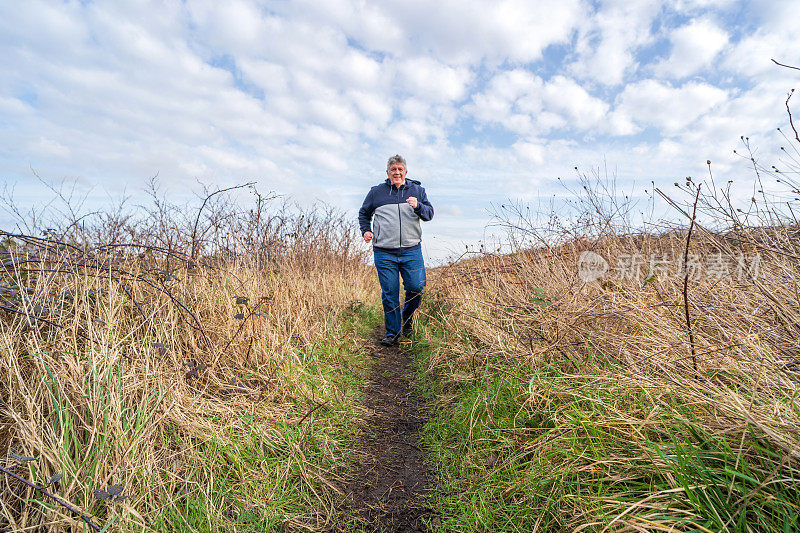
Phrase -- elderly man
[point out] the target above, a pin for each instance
(389, 218)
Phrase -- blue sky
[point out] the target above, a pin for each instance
(487, 100)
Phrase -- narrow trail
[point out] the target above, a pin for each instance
(389, 475)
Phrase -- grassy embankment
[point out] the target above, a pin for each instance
(215, 394)
(564, 405)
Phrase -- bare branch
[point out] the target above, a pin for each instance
(787, 66)
(789, 112)
(199, 211)
(686, 277)
(70, 508)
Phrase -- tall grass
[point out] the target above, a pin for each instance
(182, 370)
(587, 405)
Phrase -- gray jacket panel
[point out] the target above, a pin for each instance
(395, 226)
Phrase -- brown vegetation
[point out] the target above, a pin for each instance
(581, 384)
(166, 358)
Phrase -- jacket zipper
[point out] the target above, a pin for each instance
(399, 217)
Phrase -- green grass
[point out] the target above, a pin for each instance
(255, 483)
(268, 481)
(562, 451)
(730, 490)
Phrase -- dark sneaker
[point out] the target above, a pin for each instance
(389, 340)
(407, 330)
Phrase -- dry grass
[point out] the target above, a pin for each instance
(588, 405)
(124, 361)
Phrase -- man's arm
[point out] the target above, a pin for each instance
(365, 214)
(424, 209)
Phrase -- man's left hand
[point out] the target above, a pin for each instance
(412, 201)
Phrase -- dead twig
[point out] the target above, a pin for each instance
(241, 327)
(789, 112)
(70, 508)
(200, 211)
(686, 278)
(311, 411)
(782, 65)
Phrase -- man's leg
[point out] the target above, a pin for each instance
(387, 267)
(412, 269)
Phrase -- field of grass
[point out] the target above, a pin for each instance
(152, 390)
(562, 404)
(201, 370)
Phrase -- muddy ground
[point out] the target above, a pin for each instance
(388, 481)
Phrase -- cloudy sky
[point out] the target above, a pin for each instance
(487, 100)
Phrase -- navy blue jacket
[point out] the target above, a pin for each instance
(395, 225)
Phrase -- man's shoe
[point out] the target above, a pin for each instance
(407, 331)
(389, 340)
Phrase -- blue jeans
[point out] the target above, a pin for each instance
(410, 266)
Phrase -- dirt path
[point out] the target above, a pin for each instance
(390, 476)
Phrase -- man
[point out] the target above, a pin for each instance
(389, 218)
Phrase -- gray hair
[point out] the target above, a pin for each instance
(396, 159)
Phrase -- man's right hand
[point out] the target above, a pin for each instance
(368, 236)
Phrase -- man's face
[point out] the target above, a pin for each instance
(397, 174)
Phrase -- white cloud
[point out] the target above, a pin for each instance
(525, 104)
(775, 36)
(452, 31)
(374, 108)
(754, 113)
(752, 56)
(694, 46)
(609, 39)
(581, 109)
(48, 147)
(519, 30)
(271, 77)
(14, 106)
(453, 210)
(369, 23)
(669, 109)
(430, 80)
(359, 70)
(64, 28)
(236, 26)
(695, 5)
(498, 102)
(530, 151)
